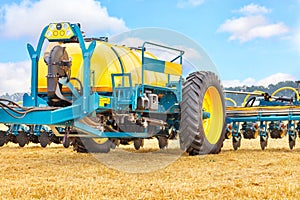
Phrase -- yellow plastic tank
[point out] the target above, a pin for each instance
(104, 62)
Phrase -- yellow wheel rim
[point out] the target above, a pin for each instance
(213, 126)
(100, 140)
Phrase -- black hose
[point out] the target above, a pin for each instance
(10, 102)
(25, 110)
(80, 84)
(252, 100)
(14, 116)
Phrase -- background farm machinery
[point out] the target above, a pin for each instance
(94, 95)
(264, 116)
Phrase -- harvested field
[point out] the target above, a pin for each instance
(57, 173)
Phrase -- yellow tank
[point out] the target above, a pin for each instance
(104, 62)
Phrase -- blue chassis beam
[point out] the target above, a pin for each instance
(58, 117)
(97, 133)
(262, 118)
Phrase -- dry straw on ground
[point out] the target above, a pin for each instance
(57, 173)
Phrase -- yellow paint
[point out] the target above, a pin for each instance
(104, 100)
(65, 31)
(100, 140)
(213, 126)
(261, 108)
(283, 133)
(232, 101)
(287, 88)
(173, 68)
(104, 62)
(256, 134)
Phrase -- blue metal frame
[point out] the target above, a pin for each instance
(290, 118)
(87, 54)
(121, 103)
(84, 105)
(122, 95)
(87, 103)
(95, 132)
(158, 65)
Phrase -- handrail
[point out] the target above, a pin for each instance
(162, 46)
(181, 52)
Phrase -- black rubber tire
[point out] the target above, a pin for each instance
(192, 136)
(3, 138)
(34, 139)
(12, 138)
(55, 139)
(22, 139)
(275, 134)
(138, 143)
(44, 139)
(88, 145)
(162, 142)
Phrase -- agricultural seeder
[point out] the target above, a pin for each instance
(264, 115)
(94, 95)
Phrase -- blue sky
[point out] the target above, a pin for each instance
(251, 42)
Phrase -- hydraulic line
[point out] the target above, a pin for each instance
(288, 88)
(23, 111)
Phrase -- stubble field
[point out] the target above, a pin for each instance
(58, 173)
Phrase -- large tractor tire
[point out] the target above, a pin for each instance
(199, 135)
(92, 145)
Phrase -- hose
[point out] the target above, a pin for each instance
(80, 84)
(23, 110)
(287, 88)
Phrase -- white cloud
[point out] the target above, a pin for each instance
(29, 17)
(15, 77)
(272, 79)
(128, 41)
(268, 30)
(189, 3)
(252, 26)
(254, 9)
